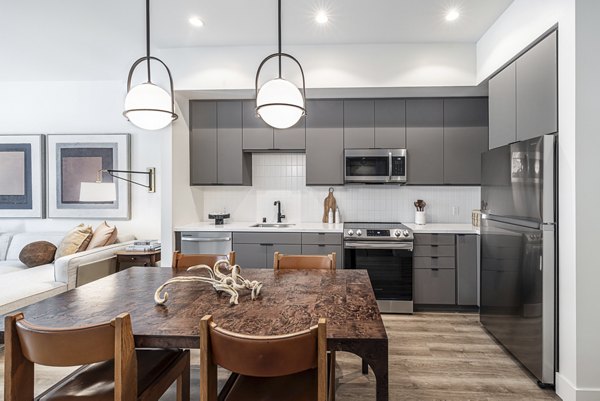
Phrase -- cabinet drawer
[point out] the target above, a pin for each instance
(325, 250)
(434, 250)
(266, 238)
(134, 260)
(321, 239)
(434, 239)
(434, 287)
(428, 262)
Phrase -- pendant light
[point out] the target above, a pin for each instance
(147, 105)
(279, 102)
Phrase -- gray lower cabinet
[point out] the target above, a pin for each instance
(257, 135)
(537, 90)
(465, 138)
(503, 107)
(434, 286)
(250, 255)
(467, 278)
(425, 141)
(323, 244)
(203, 143)
(255, 250)
(359, 124)
(390, 123)
(325, 142)
(286, 249)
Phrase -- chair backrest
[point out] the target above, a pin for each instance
(282, 261)
(183, 261)
(27, 344)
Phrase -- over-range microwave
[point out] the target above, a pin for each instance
(372, 166)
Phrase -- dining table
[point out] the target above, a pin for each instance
(289, 301)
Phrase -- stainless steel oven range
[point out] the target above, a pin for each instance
(385, 250)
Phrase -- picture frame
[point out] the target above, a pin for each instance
(22, 176)
(76, 158)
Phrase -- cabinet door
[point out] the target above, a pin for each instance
(434, 286)
(230, 163)
(257, 134)
(325, 142)
(465, 138)
(325, 250)
(425, 141)
(503, 107)
(250, 256)
(466, 269)
(537, 93)
(203, 143)
(359, 124)
(286, 249)
(390, 123)
(293, 138)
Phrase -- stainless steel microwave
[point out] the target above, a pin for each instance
(375, 166)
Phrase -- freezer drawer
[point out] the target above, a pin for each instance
(205, 242)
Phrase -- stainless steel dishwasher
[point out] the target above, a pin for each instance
(219, 242)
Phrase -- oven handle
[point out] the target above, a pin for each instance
(378, 245)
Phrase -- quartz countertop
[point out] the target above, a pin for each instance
(433, 228)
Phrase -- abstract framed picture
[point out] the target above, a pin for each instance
(22, 176)
(76, 159)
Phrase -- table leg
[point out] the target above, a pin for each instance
(365, 367)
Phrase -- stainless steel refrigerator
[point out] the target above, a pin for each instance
(518, 251)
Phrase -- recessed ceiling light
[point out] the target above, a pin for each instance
(195, 21)
(321, 17)
(452, 15)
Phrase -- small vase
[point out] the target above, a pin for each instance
(419, 218)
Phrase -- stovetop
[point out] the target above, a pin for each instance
(357, 231)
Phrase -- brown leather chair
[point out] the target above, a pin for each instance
(282, 261)
(114, 369)
(183, 261)
(290, 367)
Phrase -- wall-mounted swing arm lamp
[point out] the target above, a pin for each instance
(279, 102)
(106, 191)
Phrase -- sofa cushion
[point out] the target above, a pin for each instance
(10, 266)
(75, 241)
(4, 243)
(19, 240)
(103, 235)
(37, 253)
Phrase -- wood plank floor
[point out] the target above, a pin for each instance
(433, 356)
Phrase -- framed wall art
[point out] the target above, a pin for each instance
(22, 176)
(76, 159)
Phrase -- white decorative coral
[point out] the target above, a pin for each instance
(230, 283)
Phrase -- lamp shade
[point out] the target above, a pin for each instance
(148, 106)
(98, 192)
(280, 103)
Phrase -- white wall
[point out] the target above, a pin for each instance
(83, 108)
(331, 66)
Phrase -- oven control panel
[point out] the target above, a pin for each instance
(378, 233)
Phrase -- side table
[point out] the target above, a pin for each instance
(138, 258)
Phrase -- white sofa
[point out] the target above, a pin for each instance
(21, 286)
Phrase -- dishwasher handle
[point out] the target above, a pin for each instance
(192, 239)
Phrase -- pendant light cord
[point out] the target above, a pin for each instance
(148, 37)
(279, 34)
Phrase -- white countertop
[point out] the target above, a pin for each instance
(433, 228)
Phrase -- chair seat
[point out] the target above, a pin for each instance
(96, 382)
(297, 387)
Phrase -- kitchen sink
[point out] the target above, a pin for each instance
(272, 225)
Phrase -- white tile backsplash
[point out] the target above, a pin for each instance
(281, 177)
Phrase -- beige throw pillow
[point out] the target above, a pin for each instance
(103, 235)
(75, 241)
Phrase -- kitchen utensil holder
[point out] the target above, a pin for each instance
(420, 218)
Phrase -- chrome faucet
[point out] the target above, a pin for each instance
(279, 215)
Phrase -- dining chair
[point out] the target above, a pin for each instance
(113, 367)
(290, 367)
(282, 261)
(182, 261)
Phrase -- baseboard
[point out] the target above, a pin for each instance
(568, 392)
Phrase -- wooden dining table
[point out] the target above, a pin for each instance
(290, 301)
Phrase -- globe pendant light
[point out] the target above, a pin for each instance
(279, 102)
(147, 105)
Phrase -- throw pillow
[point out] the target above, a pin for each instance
(103, 235)
(37, 253)
(75, 241)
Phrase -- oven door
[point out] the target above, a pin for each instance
(367, 165)
(390, 269)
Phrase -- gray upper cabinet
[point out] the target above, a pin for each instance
(359, 124)
(465, 138)
(203, 143)
(293, 138)
(325, 142)
(425, 141)
(390, 123)
(216, 156)
(257, 134)
(537, 93)
(503, 107)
